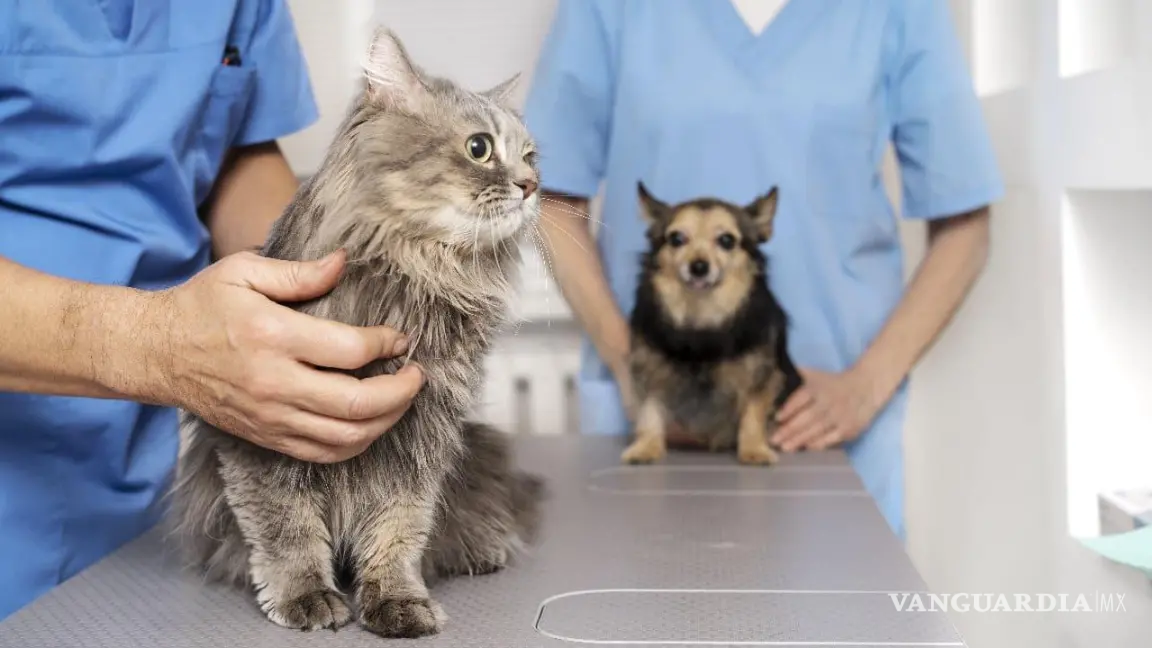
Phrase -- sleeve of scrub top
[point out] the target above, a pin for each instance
(568, 109)
(946, 158)
(282, 100)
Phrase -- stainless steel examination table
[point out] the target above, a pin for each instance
(695, 551)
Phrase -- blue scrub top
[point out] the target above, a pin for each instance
(114, 118)
(682, 95)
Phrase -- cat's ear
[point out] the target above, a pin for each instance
(762, 211)
(503, 92)
(389, 75)
(651, 209)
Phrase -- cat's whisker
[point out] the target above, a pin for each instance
(476, 245)
(499, 245)
(547, 271)
(545, 245)
(569, 235)
(568, 210)
(542, 252)
(538, 240)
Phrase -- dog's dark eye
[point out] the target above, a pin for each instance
(726, 241)
(676, 239)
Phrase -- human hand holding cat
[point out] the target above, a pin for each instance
(252, 367)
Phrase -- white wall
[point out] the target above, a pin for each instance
(1036, 399)
(1066, 91)
(333, 35)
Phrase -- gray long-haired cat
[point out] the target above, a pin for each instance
(427, 187)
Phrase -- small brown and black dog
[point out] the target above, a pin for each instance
(709, 348)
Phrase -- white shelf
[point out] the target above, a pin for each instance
(1007, 116)
(1095, 34)
(1107, 345)
(1106, 133)
(1003, 41)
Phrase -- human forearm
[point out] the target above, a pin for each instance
(576, 265)
(254, 187)
(219, 345)
(70, 338)
(957, 253)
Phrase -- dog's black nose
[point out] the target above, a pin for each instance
(698, 268)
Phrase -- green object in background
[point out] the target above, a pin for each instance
(1132, 548)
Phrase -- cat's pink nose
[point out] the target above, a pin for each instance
(527, 186)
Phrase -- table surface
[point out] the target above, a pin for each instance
(695, 551)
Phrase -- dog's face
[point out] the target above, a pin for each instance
(705, 251)
(704, 241)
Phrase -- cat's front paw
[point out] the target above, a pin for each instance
(317, 610)
(401, 618)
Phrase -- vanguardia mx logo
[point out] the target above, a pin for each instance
(966, 602)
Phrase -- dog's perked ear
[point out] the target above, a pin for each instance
(762, 211)
(652, 210)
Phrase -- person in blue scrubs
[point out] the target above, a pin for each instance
(137, 142)
(695, 99)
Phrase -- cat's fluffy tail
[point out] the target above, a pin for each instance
(491, 510)
(199, 520)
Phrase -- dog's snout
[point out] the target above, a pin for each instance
(698, 268)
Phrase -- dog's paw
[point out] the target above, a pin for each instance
(757, 455)
(317, 610)
(644, 450)
(402, 618)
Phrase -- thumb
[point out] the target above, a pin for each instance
(294, 281)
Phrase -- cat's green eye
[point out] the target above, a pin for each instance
(479, 147)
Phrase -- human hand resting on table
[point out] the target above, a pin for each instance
(250, 366)
(829, 409)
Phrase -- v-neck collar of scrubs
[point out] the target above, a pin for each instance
(772, 43)
(126, 26)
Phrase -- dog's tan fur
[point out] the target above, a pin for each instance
(718, 393)
(702, 226)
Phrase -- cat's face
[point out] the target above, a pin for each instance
(448, 164)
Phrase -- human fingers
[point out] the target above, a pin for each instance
(817, 428)
(796, 420)
(798, 401)
(798, 427)
(310, 451)
(338, 440)
(284, 281)
(826, 440)
(330, 344)
(346, 398)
